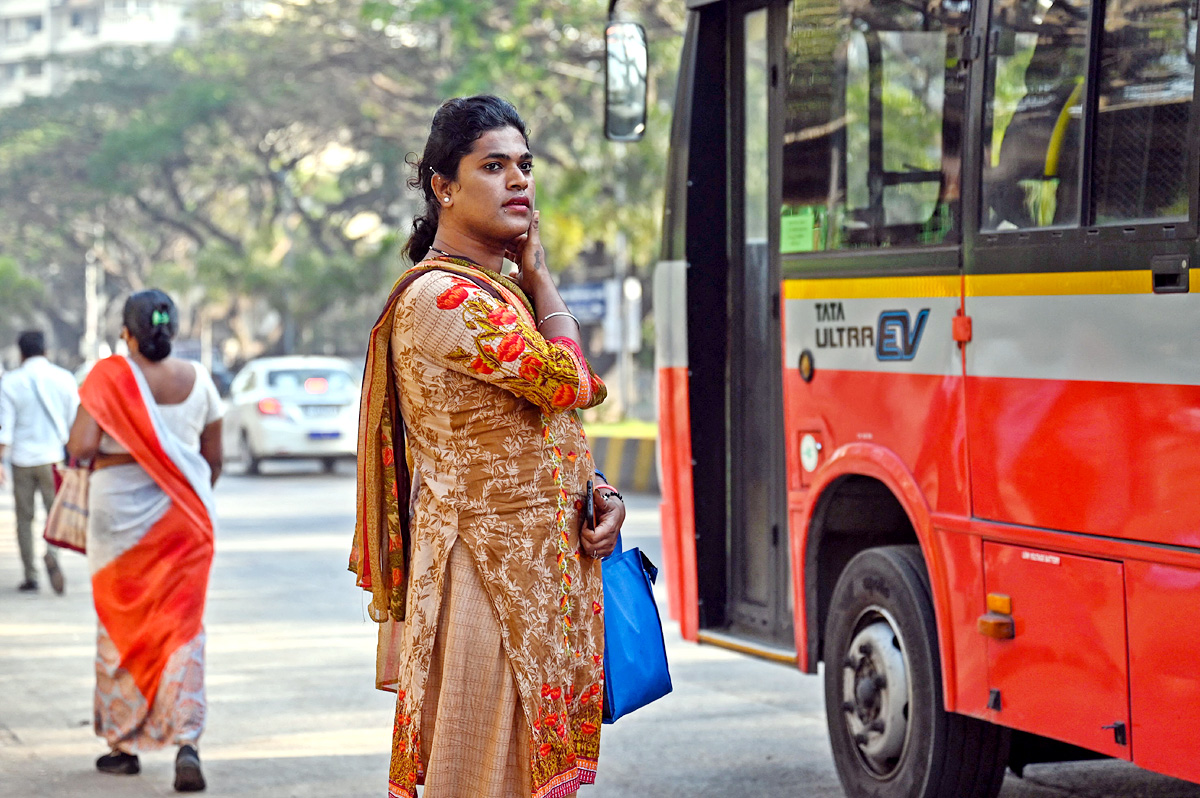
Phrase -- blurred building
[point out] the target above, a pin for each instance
(38, 37)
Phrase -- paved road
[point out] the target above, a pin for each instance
(293, 712)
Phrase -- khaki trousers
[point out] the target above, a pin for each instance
(28, 481)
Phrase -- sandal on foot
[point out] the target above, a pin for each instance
(120, 763)
(188, 777)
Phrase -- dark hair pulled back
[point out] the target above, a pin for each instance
(456, 126)
(31, 343)
(151, 318)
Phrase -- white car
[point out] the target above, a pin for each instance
(286, 408)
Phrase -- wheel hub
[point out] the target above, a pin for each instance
(875, 695)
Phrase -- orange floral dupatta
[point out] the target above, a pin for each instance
(379, 556)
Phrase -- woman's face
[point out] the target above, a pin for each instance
(494, 193)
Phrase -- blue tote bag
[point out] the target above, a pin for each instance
(635, 656)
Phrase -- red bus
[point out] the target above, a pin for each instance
(929, 374)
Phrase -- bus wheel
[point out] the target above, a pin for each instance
(890, 733)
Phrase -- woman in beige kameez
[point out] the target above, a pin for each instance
(485, 577)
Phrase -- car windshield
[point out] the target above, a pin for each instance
(315, 382)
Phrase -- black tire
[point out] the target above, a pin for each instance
(888, 727)
(329, 464)
(247, 456)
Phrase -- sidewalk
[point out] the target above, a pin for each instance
(291, 655)
(292, 709)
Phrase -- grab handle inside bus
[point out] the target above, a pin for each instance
(1170, 274)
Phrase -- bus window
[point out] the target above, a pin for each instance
(1145, 81)
(869, 157)
(1037, 65)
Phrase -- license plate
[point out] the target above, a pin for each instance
(321, 411)
(324, 436)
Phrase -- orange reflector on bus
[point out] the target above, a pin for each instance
(996, 626)
(998, 602)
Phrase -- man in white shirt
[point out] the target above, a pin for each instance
(37, 407)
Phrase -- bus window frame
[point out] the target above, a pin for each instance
(874, 261)
(1085, 245)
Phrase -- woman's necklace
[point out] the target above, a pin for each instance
(444, 253)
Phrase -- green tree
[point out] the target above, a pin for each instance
(259, 171)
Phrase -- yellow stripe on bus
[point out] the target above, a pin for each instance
(978, 285)
(873, 287)
(1060, 283)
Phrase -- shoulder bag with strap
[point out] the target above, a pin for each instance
(59, 427)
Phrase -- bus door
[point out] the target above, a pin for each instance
(1083, 372)
(758, 559)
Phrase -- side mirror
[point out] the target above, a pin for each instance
(625, 82)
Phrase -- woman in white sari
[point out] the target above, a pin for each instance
(152, 426)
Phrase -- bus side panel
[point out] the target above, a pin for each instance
(1108, 458)
(1064, 672)
(963, 555)
(679, 531)
(1082, 397)
(1163, 651)
(675, 444)
(915, 416)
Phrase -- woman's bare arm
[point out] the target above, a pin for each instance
(84, 442)
(210, 448)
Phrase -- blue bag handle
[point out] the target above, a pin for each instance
(650, 568)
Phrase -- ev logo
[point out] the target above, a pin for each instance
(899, 336)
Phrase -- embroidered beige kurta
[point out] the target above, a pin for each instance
(500, 464)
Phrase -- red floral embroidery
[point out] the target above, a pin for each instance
(555, 692)
(544, 750)
(502, 316)
(587, 728)
(596, 608)
(545, 691)
(452, 297)
(564, 396)
(510, 348)
(479, 367)
(395, 491)
(389, 456)
(531, 368)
